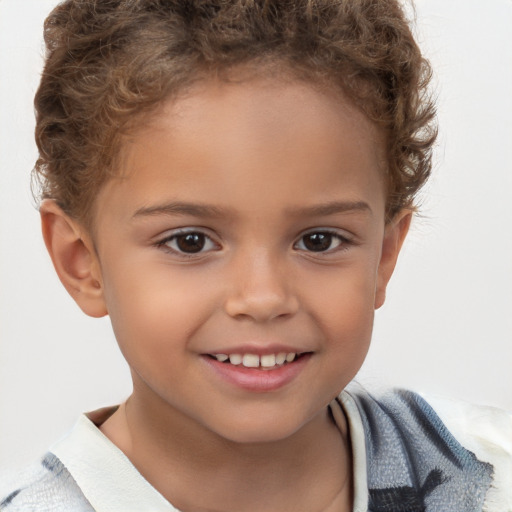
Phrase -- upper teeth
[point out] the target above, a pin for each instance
(255, 361)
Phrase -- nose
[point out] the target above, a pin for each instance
(261, 289)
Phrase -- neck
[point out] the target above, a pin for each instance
(309, 470)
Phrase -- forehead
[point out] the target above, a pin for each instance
(261, 109)
(234, 140)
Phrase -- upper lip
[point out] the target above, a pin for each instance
(258, 349)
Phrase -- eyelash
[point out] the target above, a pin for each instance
(343, 242)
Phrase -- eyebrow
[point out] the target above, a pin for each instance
(332, 208)
(180, 208)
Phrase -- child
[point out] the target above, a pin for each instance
(231, 182)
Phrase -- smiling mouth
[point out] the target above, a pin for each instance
(263, 362)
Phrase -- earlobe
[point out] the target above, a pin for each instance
(394, 236)
(74, 258)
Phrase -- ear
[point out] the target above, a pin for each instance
(394, 236)
(74, 258)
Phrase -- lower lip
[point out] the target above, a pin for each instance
(258, 380)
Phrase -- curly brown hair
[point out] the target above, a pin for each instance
(110, 61)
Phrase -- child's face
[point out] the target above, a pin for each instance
(250, 221)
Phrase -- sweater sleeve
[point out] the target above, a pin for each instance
(487, 432)
(47, 487)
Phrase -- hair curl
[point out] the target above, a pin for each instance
(110, 61)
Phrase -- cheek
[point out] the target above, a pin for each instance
(349, 329)
(348, 326)
(155, 312)
(343, 306)
(345, 295)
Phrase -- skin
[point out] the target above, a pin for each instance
(274, 162)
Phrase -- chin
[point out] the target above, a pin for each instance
(269, 429)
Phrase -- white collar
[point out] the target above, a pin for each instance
(111, 483)
(346, 404)
(107, 478)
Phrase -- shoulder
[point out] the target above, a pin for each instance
(487, 432)
(436, 450)
(44, 487)
(481, 426)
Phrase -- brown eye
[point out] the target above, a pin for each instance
(320, 241)
(317, 242)
(190, 242)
